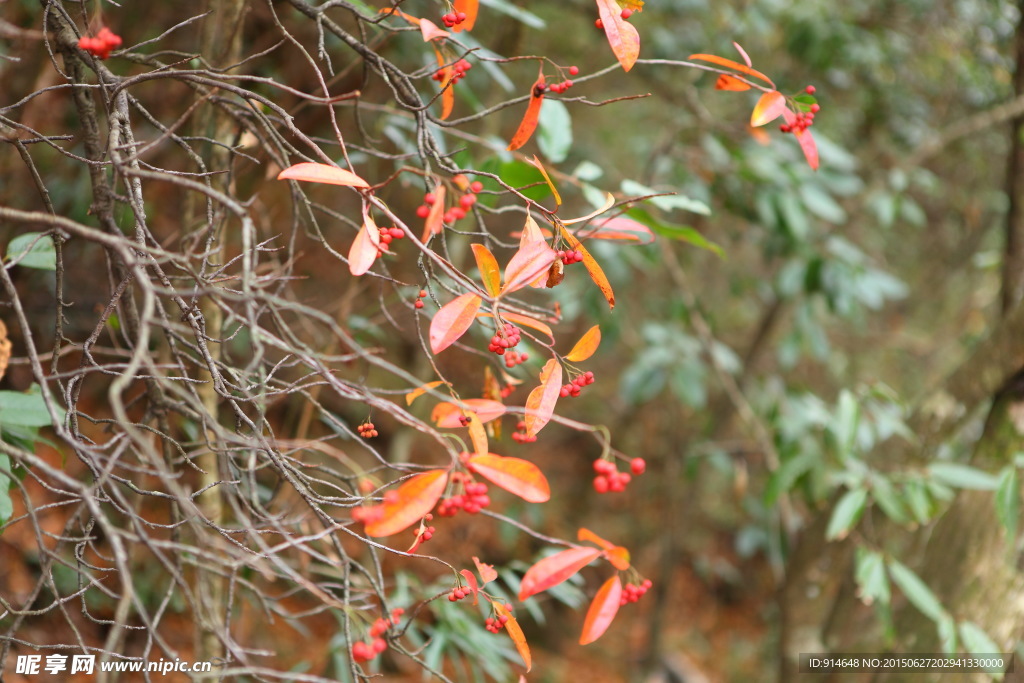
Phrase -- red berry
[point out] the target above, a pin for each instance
(601, 483)
(422, 211)
(815, 108)
(573, 70)
(599, 24)
(626, 13)
(476, 187)
(419, 303)
(810, 89)
(467, 200)
(638, 466)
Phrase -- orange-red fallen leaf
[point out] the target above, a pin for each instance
(322, 173)
(434, 223)
(532, 116)
(809, 147)
(474, 587)
(452, 321)
(477, 434)
(602, 610)
(407, 504)
(471, 8)
(768, 108)
(622, 35)
(727, 82)
(364, 248)
(515, 633)
(540, 404)
(524, 320)
(555, 569)
(515, 475)
(490, 273)
(486, 571)
(527, 264)
(617, 228)
(419, 391)
(729, 64)
(592, 266)
(544, 172)
(446, 415)
(586, 346)
(431, 31)
(609, 201)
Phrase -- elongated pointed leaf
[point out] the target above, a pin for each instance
(322, 173)
(586, 346)
(452, 321)
(365, 246)
(602, 610)
(532, 116)
(809, 147)
(410, 502)
(555, 569)
(490, 273)
(622, 35)
(474, 587)
(540, 404)
(446, 415)
(1007, 501)
(434, 223)
(515, 475)
(477, 434)
(592, 266)
(617, 228)
(515, 633)
(768, 108)
(447, 89)
(919, 594)
(743, 53)
(527, 264)
(544, 172)
(729, 64)
(846, 514)
(524, 320)
(416, 393)
(609, 202)
(616, 554)
(470, 8)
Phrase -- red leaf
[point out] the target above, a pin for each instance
(532, 116)
(486, 571)
(434, 223)
(527, 264)
(592, 266)
(430, 31)
(728, 63)
(523, 320)
(515, 475)
(531, 232)
(322, 173)
(452, 321)
(447, 88)
(621, 34)
(540, 404)
(617, 228)
(363, 252)
(727, 82)
(407, 504)
(471, 8)
(768, 108)
(471, 582)
(515, 633)
(488, 266)
(555, 569)
(809, 146)
(446, 415)
(586, 346)
(602, 610)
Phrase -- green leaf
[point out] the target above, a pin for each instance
(919, 594)
(919, 501)
(666, 203)
(963, 476)
(35, 251)
(848, 510)
(976, 641)
(6, 506)
(1007, 502)
(947, 635)
(24, 409)
(682, 233)
(846, 420)
(783, 478)
(888, 499)
(872, 581)
(555, 131)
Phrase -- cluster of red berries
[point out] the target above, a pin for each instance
(495, 624)
(367, 430)
(507, 337)
(459, 70)
(558, 88)
(453, 18)
(507, 390)
(388, 234)
(364, 652)
(632, 592)
(455, 213)
(514, 358)
(102, 45)
(804, 119)
(610, 479)
(458, 593)
(425, 533)
(521, 436)
(472, 501)
(573, 388)
(420, 297)
(570, 257)
(625, 14)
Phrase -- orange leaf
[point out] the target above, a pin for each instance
(809, 147)
(452, 321)
(477, 434)
(416, 393)
(592, 266)
(544, 172)
(618, 228)
(447, 88)
(515, 475)
(585, 534)
(364, 250)
(527, 264)
(727, 82)
(619, 557)
(768, 108)
(488, 266)
(602, 610)
(430, 31)
(322, 173)
(407, 504)
(621, 34)
(532, 116)
(515, 633)
(434, 223)
(523, 320)
(728, 63)
(540, 404)
(446, 415)
(586, 346)
(470, 8)
(555, 569)
(471, 582)
(486, 571)
(531, 232)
